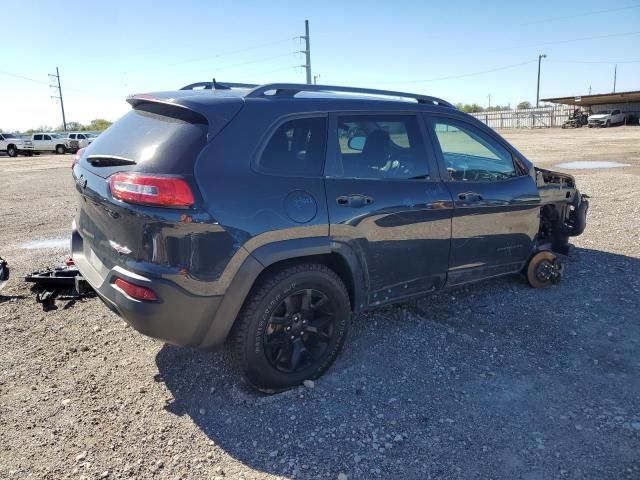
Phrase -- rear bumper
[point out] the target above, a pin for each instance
(177, 317)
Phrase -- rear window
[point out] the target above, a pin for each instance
(296, 148)
(158, 139)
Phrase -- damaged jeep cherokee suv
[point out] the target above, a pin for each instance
(265, 216)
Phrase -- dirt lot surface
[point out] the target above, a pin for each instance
(496, 380)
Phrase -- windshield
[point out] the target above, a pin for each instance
(604, 112)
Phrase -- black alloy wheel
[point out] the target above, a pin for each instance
(292, 326)
(299, 331)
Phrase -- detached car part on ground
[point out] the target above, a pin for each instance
(226, 215)
(4, 273)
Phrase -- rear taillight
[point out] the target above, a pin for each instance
(76, 157)
(136, 291)
(156, 190)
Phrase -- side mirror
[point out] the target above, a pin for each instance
(357, 142)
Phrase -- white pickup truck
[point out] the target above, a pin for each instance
(53, 142)
(606, 118)
(84, 138)
(15, 145)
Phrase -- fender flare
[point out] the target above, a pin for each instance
(267, 255)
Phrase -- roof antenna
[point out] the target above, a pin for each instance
(219, 86)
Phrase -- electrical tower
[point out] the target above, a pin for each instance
(59, 96)
(307, 51)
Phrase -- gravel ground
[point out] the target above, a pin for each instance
(492, 381)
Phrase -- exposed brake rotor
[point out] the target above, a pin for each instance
(545, 268)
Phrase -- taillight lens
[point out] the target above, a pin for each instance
(76, 157)
(156, 190)
(136, 291)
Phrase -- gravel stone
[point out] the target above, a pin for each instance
(392, 384)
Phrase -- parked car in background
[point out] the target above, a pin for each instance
(606, 118)
(15, 145)
(267, 217)
(84, 138)
(53, 142)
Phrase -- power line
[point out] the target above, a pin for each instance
(452, 77)
(23, 77)
(594, 61)
(278, 70)
(217, 55)
(250, 62)
(555, 42)
(552, 19)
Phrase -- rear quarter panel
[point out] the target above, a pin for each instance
(249, 205)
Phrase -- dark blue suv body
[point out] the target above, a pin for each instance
(267, 215)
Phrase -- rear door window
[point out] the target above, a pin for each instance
(385, 146)
(296, 148)
(37, 137)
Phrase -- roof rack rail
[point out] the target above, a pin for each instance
(291, 89)
(213, 85)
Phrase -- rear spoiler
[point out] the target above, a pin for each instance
(216, 115)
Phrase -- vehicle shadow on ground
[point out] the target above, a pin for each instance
(474, 365)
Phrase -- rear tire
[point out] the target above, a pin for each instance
(12, 151)
(291, 328)
(60, 149)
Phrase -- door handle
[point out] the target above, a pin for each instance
(470, 196)
(354, 201)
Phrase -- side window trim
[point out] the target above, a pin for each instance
(266, 137)
(432, 118)
(334, 168)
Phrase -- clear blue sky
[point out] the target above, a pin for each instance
(108, 50)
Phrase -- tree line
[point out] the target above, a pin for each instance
(96, 125)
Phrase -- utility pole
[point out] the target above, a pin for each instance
(59, 96)
(315, 79)
(589, 89)
(489, 102)
(307, 51)
(540, 57)
(615, 74)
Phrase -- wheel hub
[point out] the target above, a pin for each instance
(545, 271)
